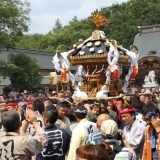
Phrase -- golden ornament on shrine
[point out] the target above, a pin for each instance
(99, 20)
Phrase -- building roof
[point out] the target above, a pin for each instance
(44, 59)
(147, 41)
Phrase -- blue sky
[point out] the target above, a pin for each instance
(44, 12)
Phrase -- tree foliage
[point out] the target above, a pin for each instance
(22, 70)
(125, 19)
(58, 26)
(14, 20)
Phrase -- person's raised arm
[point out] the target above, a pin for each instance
(32, 119)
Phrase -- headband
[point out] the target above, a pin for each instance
(2, 104)
(80, 111)
(29, 102)
(127, 111)
(11, 104)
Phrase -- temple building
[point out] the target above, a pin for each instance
(147, 42)
(44, 60)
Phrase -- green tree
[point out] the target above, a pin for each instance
(126, 17)
(32, 42)
(124, 21)
(58, 26)
(22, 70)
(14, 20)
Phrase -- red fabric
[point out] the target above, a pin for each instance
(11, 104)
(29, 102)
(115, 74)
(134, 73)
(63, 75)
(127, 111)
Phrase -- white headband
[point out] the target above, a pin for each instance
(80, 111)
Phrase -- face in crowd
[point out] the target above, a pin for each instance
(103, 107)
(143, 90)
(153, 90)
(96, 110)
(62, 111)
(128, 118)
(110, 105)
(142, 98)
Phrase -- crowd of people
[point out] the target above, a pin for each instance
(53, 126)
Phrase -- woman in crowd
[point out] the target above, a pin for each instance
(101, 151)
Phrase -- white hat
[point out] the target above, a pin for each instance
(109, 127)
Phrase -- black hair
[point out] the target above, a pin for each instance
(90, 101)
(136, 103)
(70, 115)
(61, 104)
(84, 102)
(51, 114)
(149, 96)
(10, 121)
(151, 88)
(70, 99)
(150, 108)
(94, 105)
(49, 100)
(80, 107)
(38, 105)
(67, 104)
(104, 102)
(55, 101)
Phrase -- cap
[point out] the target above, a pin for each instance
(109, 127)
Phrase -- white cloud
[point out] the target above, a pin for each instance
(44, 12)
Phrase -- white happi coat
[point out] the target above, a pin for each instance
(135, 136)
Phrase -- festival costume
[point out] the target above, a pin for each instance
(30, 129)
(134, 135)
(132, 73)
(79, 135)
(21, 146)
(57, 146)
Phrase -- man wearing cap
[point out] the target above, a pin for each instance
(109, 131)
(80, 132)
(133, 131)
(96, 138)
